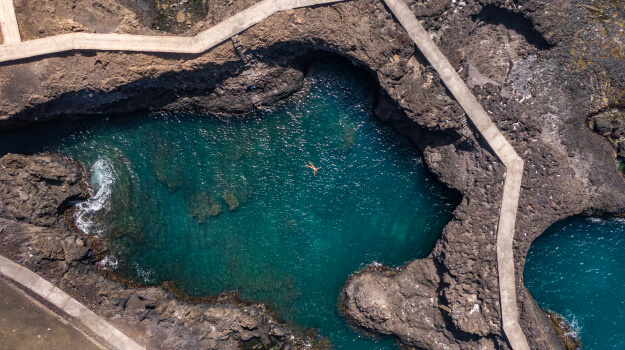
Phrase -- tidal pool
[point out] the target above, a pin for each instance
(577, 269)
(218, 204)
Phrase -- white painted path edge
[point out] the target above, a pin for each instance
(69, 305)
(503, 150)
(8, 23)
(145, 43)
(14, 50)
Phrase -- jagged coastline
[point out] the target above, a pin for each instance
(528, 67)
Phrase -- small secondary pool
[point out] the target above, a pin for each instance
(577, 269)
(218, 204)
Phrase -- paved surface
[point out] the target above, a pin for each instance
(8, 22)
(25, 324)
(204, 41)
(503, 150)
(69, 305)
(13, 49)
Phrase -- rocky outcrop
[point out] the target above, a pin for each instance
(538, 68)
(37, 189)
(34, 192)
(403, 303)
(610, 124)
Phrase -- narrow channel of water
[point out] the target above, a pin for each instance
(219, 204)
(577, 269)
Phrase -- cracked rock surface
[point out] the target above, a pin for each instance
(153, 316)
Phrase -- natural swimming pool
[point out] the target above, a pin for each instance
(217, 204)
(577, 269)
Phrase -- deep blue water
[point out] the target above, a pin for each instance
(577, 269)
(222, 204)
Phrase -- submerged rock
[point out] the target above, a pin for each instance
(348, 135)
(230, 199)
(166, 164)
(203, 206)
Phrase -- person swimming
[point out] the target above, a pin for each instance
(310, 165)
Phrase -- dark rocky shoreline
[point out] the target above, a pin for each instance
(540, 70)
(566, 335)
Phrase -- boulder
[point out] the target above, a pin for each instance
(620, 149)
(603, 126)
(618, 129)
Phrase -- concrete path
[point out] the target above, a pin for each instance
(69, 305)
(26, 324)
(204, 41)
(503, 150)
(8, 23)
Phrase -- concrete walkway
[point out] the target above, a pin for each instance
(204, 41)
(8, 23)
(26, 324)
(503, 150)
(13, 49)
(69, 305)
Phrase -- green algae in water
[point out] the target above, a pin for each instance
(229, 204)
(577, 269)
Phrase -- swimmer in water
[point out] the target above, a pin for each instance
(310, 165)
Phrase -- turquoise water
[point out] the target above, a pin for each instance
(223, 204)
(577, 269)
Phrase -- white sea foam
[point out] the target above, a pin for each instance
(146, 274)
(108, 263)
(102, 180)
(574, 327)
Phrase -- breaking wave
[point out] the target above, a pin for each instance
(102, 180)
(109, 262)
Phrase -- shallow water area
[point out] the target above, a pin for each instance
(577, 269)
(218, 204)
